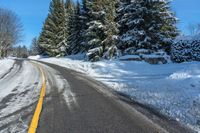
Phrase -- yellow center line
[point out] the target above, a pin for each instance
(34, 123)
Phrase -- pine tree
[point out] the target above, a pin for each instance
(150, 24)
(71, 17)
(45, 39)
(102, 29)
(121, 20)
(112, 30)
(185, 50)
(122, 15)
(53, 36)
(76, 32)
(83, 20)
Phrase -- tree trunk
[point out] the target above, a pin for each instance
(1, 54)
(6, 53)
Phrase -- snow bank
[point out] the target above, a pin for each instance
(17, 95)
(5, 66)
(173, 89)
(35, 57)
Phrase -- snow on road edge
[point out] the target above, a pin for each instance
(5, 66)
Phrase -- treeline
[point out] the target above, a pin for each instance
(19, 52)
(107, 28)
(22, 51)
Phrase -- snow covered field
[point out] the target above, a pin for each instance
(173, 89)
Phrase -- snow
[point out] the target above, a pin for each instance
(5, 65)
(180, 75)
(129, 56)
(172, 89)
(34, 57)
(17, 94)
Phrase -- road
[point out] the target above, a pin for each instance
(75, 103)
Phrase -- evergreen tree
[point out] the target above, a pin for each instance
(70, 11)
(186, 49)
(53, 36)
(45, 39)
(150, 24)
(71, 16)
(76, 32)
(102, 29)
(83, 20)
(121, 16)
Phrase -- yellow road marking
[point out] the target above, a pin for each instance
(34, 123)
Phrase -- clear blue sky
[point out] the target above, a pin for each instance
(33, 13)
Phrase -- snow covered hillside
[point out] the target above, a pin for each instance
(173, 89)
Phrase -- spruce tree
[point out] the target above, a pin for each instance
(112, 30)
(121, 20)
(83, 21)
(101, 29)
(76, 31)
(53, 36)
(45, 40)
(72, 24)
(150, 24)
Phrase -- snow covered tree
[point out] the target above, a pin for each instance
(75, 38)
(101, 29)
(83, 20)
(121, 16)
(20, 52)
(70, 11)
(146, 24)
(53, 36)
(71, 17)
(186, 49)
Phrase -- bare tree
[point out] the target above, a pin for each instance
(194, 29)
(34, 47)
(198, 28)
(10, 30)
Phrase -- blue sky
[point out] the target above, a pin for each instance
(33, 12)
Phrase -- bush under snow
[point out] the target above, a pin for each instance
(186, 48)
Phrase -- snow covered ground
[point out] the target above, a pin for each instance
(173, 89)
(19, 91)
(5, 66)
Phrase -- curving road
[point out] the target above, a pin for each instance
(74, 103)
